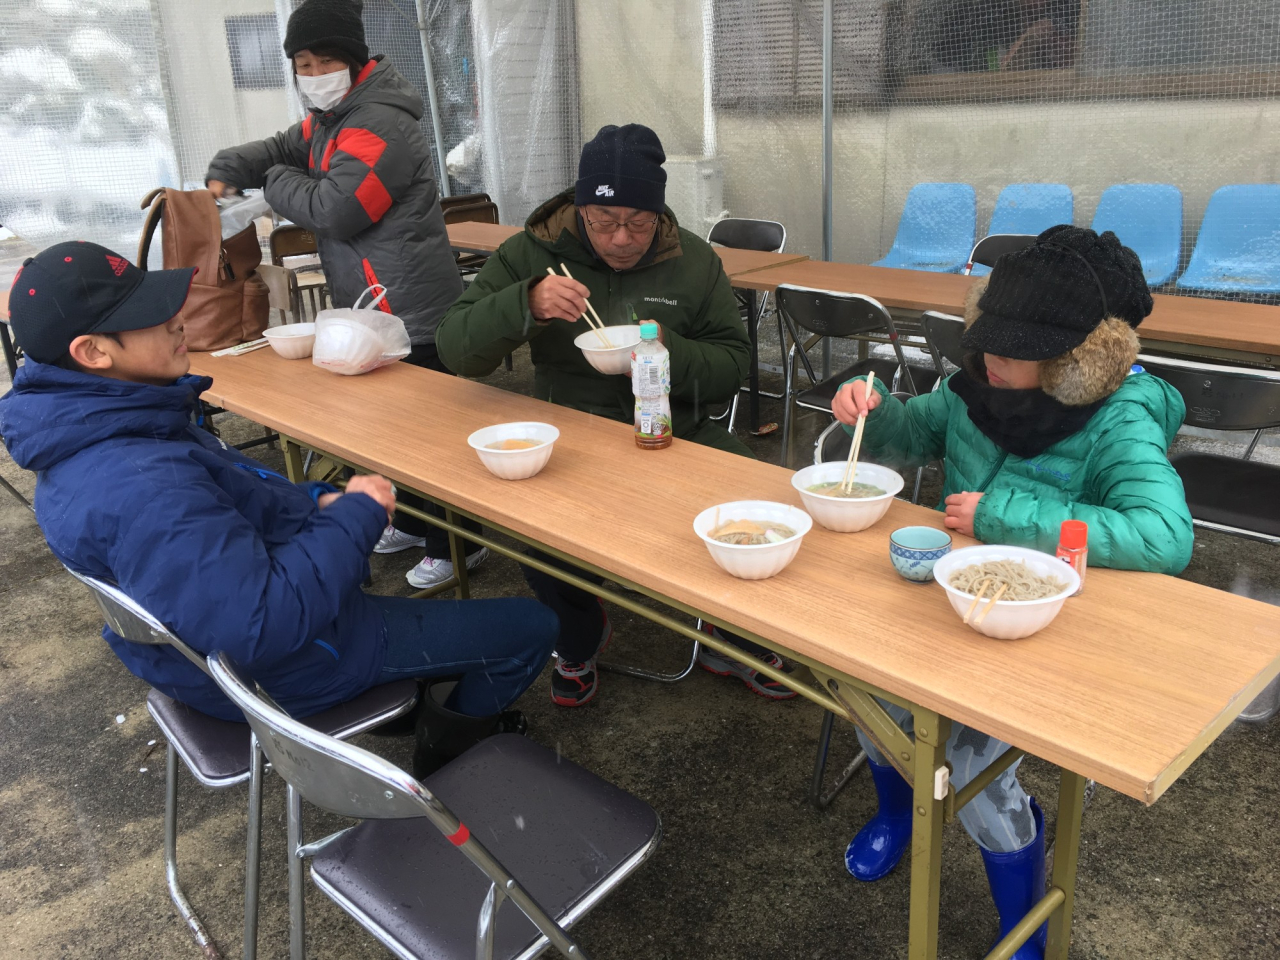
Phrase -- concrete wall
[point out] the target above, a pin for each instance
(206, 112)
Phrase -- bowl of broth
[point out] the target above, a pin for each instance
(514, 451)
(614, 359)
(293, 341)
(847, 510)
(752, 539)
(1037, 586)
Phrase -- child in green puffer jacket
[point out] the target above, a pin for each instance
(1042, 424)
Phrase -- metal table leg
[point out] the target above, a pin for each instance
(932, 732)
(1071, 803)
(753, 331)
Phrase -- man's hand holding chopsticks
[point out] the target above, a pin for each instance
(557, 297)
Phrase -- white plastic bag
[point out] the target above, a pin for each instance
(356, 340)
(239, 213)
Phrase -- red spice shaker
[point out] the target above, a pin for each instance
(1073, 546)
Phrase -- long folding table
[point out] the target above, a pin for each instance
(1126, 686)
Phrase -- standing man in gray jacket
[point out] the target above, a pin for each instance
(357, 173)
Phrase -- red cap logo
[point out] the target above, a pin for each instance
(117, 264)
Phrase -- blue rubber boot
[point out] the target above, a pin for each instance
(878, 847)
(1017, 885)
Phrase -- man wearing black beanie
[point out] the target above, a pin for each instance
(628, 254)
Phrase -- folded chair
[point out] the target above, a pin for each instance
(1230, 495)
(430, 866)
(821, 314)
(221, 754)
(769, 236)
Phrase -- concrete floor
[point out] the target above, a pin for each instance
(747, 868)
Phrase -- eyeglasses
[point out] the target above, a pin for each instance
(607, 228)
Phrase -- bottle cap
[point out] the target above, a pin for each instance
(649, 330)
(1074, 535)
(1137, 368)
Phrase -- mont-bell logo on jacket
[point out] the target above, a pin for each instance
(604, 190)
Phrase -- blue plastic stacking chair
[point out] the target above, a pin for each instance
(1238, 249)
(1147, 217)
(1029, 208)
(936, 229)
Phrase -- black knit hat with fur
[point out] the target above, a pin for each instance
(1045, 299)
(327, 23)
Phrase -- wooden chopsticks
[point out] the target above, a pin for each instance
(851, 465)
(597, 325)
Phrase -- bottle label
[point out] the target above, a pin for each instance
(651, 384)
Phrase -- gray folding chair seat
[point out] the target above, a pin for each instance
(217, 751)
(431, 865)
(560, 829)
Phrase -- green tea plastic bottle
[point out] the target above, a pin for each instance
(651, 384)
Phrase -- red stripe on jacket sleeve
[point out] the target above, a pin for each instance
(329, 150)
(306, 128)
(367, 147)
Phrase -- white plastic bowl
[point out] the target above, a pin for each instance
(748, 562)
(344, 346)
(515, 464)
(292, 341)
(840, 513)
(612, 360)
(1010, 620)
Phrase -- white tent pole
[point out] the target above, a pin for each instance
(431, 96)
(828, 98)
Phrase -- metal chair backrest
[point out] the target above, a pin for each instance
(742, 234)
(830, 314)
(942, 332)
(1147, 217)
(484, 211)
(130, 621)
(12, 352)
(329, 773)
(463, 199)
(1218, 397)
(994, 246)
(291, 240)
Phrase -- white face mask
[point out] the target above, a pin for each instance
(324, 91)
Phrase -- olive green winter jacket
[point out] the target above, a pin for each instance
(681, 284)
(1114, 474)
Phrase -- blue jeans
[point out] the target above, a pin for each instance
(496, 647)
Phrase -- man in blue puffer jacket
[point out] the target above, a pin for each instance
(226, 553)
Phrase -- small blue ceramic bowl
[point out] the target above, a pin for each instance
(914, 551)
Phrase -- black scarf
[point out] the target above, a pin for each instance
(1024, 422)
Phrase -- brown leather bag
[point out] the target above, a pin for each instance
(229, 301)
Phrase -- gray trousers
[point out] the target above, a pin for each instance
(999, 818)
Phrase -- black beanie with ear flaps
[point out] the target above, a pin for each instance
(1071, 299)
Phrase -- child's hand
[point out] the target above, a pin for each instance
(377, 488)
(960, 510)
(852, 401)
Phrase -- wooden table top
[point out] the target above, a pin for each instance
(486, 237)
(1223, 324)
(1129, 684)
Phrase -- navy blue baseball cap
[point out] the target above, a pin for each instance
(76, 288)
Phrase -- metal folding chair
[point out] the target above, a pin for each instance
(768, 236)
(403, 872)
(992, 247)
(1029, 208)
(12, 354)
(221, 754)
(825, 314)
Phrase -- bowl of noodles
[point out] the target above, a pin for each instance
(514, 451)
(1036, 586)
(846, 509)
(753, 539)
(614, 359)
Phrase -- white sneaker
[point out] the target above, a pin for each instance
(393, 541)
(432, 571)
